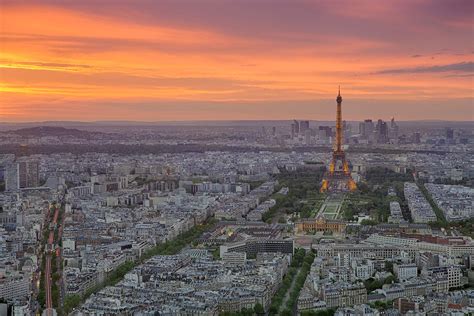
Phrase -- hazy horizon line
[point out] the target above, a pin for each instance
(217, 120)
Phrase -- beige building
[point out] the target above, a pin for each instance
(320, 225)
(341, 294)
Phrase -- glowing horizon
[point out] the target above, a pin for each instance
(235, 60)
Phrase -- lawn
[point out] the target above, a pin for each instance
(331, 208)
(303, 196)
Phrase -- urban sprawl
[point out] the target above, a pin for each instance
(230, 220)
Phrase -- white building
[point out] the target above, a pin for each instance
(234, 258)
(15, 287)
(405, 271)
(421, 211)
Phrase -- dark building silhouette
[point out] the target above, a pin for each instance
(381, 131)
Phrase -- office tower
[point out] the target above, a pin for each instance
(12, 183)
(339, 176)
(392, 123)
(295, 128)
(307, 137)
(369, 126)
(393, 131)
(324, 132)
(381, 131)
(347, 129)
(274, 131)
(366, 129)
(28, 173)
(304, 126)
(362, 129)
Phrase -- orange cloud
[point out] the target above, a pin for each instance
(55, 60)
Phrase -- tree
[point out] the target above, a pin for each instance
(369, 222)
(286, 312)
(371, 284)
(258, 309)
(389, 266)
(246, 312)
(70, 302)
(389, 280)
(273, 310)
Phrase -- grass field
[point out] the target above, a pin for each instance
(330, 216)
(331, 207)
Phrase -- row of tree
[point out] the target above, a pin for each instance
(256, 310)
(168, 248)
(299, 282)
(279, 296)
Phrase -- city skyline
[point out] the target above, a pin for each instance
(236, 157)
(189, 61)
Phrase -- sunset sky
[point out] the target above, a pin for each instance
(231, 60)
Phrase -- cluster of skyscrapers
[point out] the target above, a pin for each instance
(299, 128)
(380, 132)
(369, 132)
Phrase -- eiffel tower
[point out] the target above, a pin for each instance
(338, 177)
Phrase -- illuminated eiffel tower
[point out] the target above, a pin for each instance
(338, 177)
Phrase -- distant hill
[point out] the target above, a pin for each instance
(45, 131)
(104, 126)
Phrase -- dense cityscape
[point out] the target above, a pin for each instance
(278, 218)
(236, 158)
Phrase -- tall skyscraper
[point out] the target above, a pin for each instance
(307, 137)
(12, 183)
(393, 131)
(296, 125)
(23, 173)
(339, 176)
(29, 173)
(392, 123)
(325, 131)
(381, 131)
(366, 129)
(304, 126)
(362, 129)
(294, 128)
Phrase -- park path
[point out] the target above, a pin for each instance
(332, 200)
(290, 289)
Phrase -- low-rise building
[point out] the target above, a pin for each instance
(341, 294)
(405, 271)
